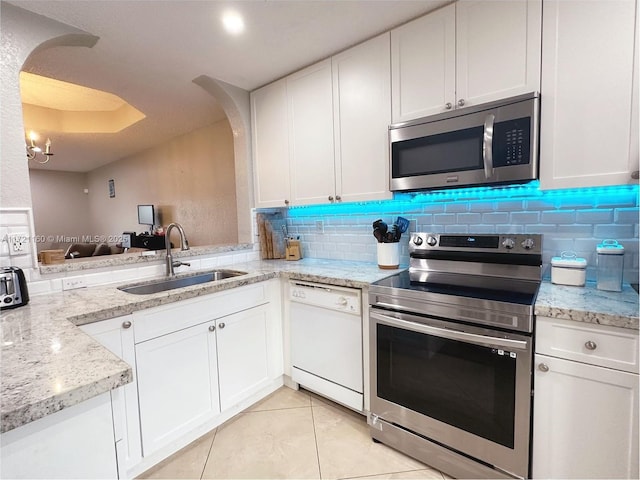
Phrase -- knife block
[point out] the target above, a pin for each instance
(294, 250)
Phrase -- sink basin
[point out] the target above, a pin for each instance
(165, 284)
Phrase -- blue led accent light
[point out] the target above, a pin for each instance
(586, 197)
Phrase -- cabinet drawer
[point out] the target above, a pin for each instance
(163, 320)
(601, 345)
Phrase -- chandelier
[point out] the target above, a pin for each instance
(33, 150)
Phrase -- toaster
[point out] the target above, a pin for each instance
(13, 288)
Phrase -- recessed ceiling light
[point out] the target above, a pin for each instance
(233, 22)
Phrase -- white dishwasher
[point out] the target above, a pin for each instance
(326, 341)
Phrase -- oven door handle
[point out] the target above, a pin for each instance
(453, 334)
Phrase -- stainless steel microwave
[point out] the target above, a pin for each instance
(486, 144)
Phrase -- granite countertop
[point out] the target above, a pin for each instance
(48, 363)
(588, 304)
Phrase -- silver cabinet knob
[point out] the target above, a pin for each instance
(331, 198)
(212, 328)
(221, 325)
(448, 106)
(635, 174)
(543, 367)
(461, 102)
(126, 324)
(286, 202)
(338, 198)
(590, 345)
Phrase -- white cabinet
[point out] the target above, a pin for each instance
(587, 96)
(200, 357)
(116, 334)
(76, 442)
(333, 118)
(242, 355)
(311, 134)
(362, 113)
(270, 137)
(585, 418)
(464, 54)
(177, 384)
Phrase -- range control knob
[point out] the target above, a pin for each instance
(508, 243)
(432, 241)
(527, 244)
(417, 240)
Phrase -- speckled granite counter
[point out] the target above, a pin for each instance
(588, 304)
(49, 364)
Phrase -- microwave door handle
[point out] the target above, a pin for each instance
(487, 145)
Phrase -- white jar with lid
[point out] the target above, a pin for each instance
(567, 269)
(610, 265)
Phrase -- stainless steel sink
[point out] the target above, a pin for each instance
(165, 284)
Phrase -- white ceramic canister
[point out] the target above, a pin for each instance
(567, 269)
(610, 265)
(389, 255)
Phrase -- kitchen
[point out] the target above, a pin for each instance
(570, 220)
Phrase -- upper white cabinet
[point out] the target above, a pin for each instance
(311, 135)
(270, 138)
(467, 53)
(362, 113)
(334, 115)
(588, 99)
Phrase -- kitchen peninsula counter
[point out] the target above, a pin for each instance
(49, 364)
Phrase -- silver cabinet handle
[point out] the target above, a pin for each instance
(487, 145)
(126, 324)
(590, 345)
(212, 328)
(543, 367)
(221, 325)
(461, 102)
(448, 106)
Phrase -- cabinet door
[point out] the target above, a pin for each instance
(242, 355)
(423, 65)
(116, 335)
(362, 113)
(585, 421)
(311, 134)
(177, 384)
(270, 145)
(586, 113)
(497, 49)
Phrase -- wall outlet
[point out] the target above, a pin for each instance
(72, 283)
(319, 226)
(18, 244)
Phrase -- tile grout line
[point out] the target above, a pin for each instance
(215, 434)
(315, 437)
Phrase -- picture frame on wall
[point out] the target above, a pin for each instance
(112, 188)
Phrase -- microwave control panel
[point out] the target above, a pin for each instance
(511, 142)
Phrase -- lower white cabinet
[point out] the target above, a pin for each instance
(116, 334)
(76, 442)
(177, 384)
(585, 415)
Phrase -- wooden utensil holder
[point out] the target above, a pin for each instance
(294, 250)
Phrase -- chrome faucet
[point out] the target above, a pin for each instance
(184, 245)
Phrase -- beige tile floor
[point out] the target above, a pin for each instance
(291, 434)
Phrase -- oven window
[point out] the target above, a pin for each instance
(467, 386)
(444, 152)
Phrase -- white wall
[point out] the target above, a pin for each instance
(190, 179)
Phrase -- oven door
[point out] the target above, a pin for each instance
(466, 388)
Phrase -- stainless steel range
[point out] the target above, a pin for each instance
(451, 353)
